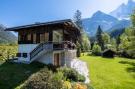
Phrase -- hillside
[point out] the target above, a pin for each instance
(6, 37)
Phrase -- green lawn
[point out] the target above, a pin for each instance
(13, 75)
(118, 73)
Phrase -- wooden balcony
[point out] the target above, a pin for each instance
(63, 45)
(50, 46)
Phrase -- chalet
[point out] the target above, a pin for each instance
(50, 42)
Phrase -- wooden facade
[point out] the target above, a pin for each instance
(43, 34)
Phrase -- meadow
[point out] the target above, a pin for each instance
(7, 52)
(117, 73)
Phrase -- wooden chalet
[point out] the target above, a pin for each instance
(50, 42)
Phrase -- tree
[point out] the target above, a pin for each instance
(113, 44)
(78, 18)
(118, 42)
(133, 19)
(127, 40)
(99, 37)
(78, 49)
(96, 50)
(124, 42)
(106, 38)
(85, 42)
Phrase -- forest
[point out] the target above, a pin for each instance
(123, 44)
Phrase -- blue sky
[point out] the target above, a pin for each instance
(21, 12)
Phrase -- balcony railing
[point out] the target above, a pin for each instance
(63, 45)
(52, 46)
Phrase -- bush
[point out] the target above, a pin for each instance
(52, 67)
(44, 79)
(131, 53)
(67, 85)
(89, 87)
(96, 50)
(72, 75)
(79, 86)
(128, 54)
(81, 78)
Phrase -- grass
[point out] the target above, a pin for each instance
(117, 73)
(13, 75)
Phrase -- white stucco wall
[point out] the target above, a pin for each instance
(65, 57)
(46, 58)
(25, 48)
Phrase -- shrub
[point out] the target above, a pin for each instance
(89, 87)
(81, 78)
(44, 79)
(67, 85)
(79, 86)
(131, 53)
(96, 50)
(72, 75)
(128, 54)
(52, 67)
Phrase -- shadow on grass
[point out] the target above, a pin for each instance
(13, 75)
(131, 68)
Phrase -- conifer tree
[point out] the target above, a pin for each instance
(78, 19)
(85, 42)
(99, 37)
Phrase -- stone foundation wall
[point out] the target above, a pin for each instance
(69, 56)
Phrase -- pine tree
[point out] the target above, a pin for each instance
(85, 42)
(78, 19)
(99, 37)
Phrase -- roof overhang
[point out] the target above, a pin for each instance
(64, 22)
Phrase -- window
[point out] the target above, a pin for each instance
(41, 38)
(46, 37)
(34, 38)
(25, 55)
(29, 37)
(57, 36)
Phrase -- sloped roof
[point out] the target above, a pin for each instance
(108, 50)
(67, 21)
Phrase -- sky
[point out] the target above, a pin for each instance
(22, 12)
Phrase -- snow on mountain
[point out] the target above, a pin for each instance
(124, 11)
(116, 20)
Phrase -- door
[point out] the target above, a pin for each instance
(57, 59)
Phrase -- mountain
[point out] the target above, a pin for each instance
(6, 37)
(122, 24)
(99, 18)
(117, 32)
(124, 10)
(119, 28)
